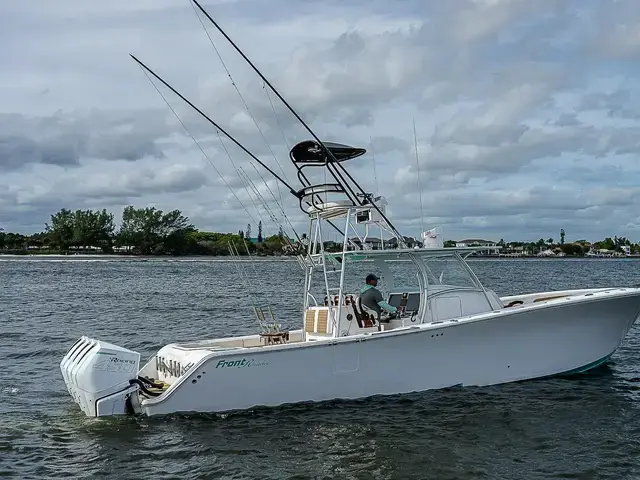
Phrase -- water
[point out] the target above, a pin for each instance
(585, 427)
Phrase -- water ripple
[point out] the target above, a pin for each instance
(582, 427)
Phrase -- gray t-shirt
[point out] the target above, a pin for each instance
(370, 299)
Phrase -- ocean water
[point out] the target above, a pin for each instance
(583, 427)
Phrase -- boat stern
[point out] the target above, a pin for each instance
(100, 376)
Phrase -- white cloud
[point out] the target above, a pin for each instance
(526, 112)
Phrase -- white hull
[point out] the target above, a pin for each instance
(512, 344)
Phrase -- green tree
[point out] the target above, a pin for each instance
(573, 249)
(174, 230)
(61, 229)
(93, 228)
(607, 244)
(139, 228)
(150, 230)
(273, 244)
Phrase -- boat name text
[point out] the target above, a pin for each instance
(242, 363)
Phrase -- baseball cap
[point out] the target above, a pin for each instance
(370, 277)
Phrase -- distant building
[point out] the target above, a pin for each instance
(604, 252)
(510, 250)
(478, 242)
(372, 243)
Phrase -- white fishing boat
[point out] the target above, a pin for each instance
(448, 329)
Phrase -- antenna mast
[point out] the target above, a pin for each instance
(415, 143)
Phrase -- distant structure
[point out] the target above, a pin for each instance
(432, 238)
(478, 242)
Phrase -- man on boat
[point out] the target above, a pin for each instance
(371, 297)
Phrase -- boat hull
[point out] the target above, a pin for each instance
(502, 346)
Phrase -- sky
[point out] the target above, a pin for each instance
(527, 114)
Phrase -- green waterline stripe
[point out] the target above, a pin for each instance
(583, 369)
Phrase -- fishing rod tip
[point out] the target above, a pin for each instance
(137, 61)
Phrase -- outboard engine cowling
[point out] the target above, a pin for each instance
(98, 376)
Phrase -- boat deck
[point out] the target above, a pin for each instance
(238, 343)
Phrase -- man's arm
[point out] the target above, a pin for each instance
(384, 305)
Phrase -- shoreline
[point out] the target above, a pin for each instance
(71, 256)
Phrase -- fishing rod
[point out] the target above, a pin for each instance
(213, 123)
(301, 176)
(320, 143)
(354, 199)
(228, 135)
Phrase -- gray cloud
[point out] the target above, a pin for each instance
(385, 144)
(17, 151)
(567, 120)
(65, 139)
(525, 111)
(488, 150)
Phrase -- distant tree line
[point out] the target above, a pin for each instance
(149, 231)
(576, 248)
(582, 247)
(143, 231)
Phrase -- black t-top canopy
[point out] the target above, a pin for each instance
(309, 151)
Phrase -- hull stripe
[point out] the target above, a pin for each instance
(583, 369)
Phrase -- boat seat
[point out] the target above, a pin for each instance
(333, 300)
(316, 320)
(364, 319)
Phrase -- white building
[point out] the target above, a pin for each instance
(477, 242)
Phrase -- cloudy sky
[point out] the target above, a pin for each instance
(527, 112)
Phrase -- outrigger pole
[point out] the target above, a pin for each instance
(327, 151)
(228, 135)
(213, 123)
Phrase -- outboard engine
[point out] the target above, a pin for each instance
(100, 376)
